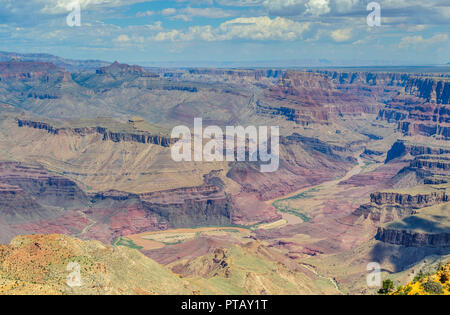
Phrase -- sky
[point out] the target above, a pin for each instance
(241, 32)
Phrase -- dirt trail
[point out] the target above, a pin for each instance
(88, 227)
(332, 280)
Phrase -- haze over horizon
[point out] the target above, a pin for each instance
(231, 32)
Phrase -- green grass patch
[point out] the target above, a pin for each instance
(286, 209)
(128, 243)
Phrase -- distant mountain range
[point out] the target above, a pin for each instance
(73, 65)
(67, 64)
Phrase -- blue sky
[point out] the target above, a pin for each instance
(266, 32)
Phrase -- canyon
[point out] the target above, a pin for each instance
(364, 173)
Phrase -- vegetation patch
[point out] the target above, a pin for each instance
(128, 243)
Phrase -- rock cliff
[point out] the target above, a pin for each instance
(413, 239)
(108, 135)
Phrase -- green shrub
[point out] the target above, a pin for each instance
(388, 286)
(433, 287)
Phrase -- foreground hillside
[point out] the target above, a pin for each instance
(45, 265)
(429, 284)
(39, 264)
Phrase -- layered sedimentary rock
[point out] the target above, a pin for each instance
(315, 98)
(386, 207)
(425, 169)
(35, 200)
(47, 188)
(402, 148)
(31, 70)
(115, 136)
(117, 69)
(428, 163)
(18, 206)
(437, 163)
(430, 89)
(315, 144)
(423, 108)
(415, 201)
(383, 79)
(186, 207)
(413, 239)
(67, 64)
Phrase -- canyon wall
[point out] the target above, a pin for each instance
(413, 239)
(115, 136)
(422, 109)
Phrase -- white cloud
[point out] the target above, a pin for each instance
(420, 40)
(157, 26)
(169, 11)
(123, 38)
(263, 28)
(172, 35)
(254, 28)
(318, 7)
(146, 13)
(341, 35)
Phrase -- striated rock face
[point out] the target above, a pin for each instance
(108, 135)
(37, 125)
(249, 210)
(235, 73)
(402, 148)
(386, 207)
(18, 206)
(437, 163)
(187, 207)
(428, 164)
(67, 64)
(47, 188)
(316, 98)
(414, 201)
(423, 108)
(36, 201)
(206, 205)
(412, 239)
(315, 144)
(417, 104)
(240, 77)
(117, 69)
(32, 70)
(119, 137)
(382, 214)
(426, 170)
(431, 90)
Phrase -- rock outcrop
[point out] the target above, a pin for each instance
(108, 135)
(408, 200)
(187, 207)
(402, 148)
(386, 207)
(116, 69)
(47, 188)
(423, 108)
(31, 70)
(412, 239)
